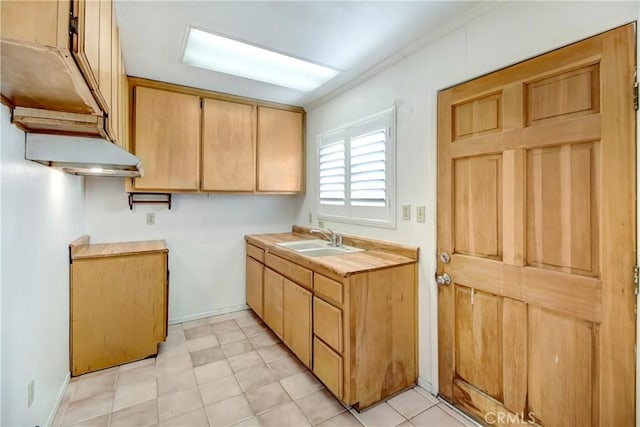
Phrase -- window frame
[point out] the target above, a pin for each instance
(384, 217)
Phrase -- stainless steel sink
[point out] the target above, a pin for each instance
(318, 247)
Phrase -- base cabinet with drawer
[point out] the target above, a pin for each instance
(357, 332)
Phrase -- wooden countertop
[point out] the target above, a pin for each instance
(378, 254)
(81, 248)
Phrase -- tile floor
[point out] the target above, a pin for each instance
(229, 370)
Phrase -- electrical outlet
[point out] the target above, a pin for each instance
(406, 212)
(420, 213)
(31, 393)
(310, 218)
(151, 218)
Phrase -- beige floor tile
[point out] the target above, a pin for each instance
(178, 403)
(64, 404)
(134, 393)
(91, 386)
(138, 374)
(101, 421)
(195, 323)
(435, 416)
(143, 414)
(345, 419)
(462, 419)
(273, 352)
(245, 361)
(220, 389)
(319, 406)
(212, 371)
(176, 335)
(105, 371)
(225, 326)
(255, 377)
(88, 408)
(220, 318)
(197, 418)
(250, 422)
(284, 416)
(301, 384)
(410, 403)
(175, 382)
(231, 336)
(206, 355)
(286, 367)
(254, 329)
(264, 340)
(229, 411)
(237, 347)
(138, 364)
(198, 331)
(173, 365)
(267, 397)
(427, 395)
(406, 424)
(171, 350)
(381, 415)
(202, 343)
(175, 327)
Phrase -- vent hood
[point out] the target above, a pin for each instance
(81, 155)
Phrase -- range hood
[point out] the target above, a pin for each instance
(82, 155)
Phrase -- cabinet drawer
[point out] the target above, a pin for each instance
(293, 271)
(255, 252)
(328, 288)
(327, 323)
(327, 365)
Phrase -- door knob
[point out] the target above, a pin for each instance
(443, 279)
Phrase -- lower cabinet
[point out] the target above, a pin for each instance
(273, 300)
(328, 366)
(255, 273)
(297, 320)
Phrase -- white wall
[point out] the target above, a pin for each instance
(506, 34)
(205, 235)
(42, 211)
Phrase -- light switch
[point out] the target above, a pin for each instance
(151, 218)
(406, 212)
(420, 213)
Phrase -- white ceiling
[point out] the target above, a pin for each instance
(354, 37)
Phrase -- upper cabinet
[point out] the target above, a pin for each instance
(62, 69)
(196, 140)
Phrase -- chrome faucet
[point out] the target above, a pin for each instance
(330, 235)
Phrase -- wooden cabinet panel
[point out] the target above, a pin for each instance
(327, 288)
(255, 252)
(255, 272)
(273, 300)
(327, 365)
(327, 323)
(297, 320)
(167, 139)
(280, 157)
(118, 309)
(228, 147)
(293, 271)
(105, 66)
(86, 42)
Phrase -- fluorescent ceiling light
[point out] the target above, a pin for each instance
(217, 53)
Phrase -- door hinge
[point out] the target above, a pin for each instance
(73, 25)
(636, 279)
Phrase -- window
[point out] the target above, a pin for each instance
(356, 166)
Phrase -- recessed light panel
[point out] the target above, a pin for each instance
(217, 53)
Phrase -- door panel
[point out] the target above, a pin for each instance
(272, 306)
(297, 320)
(536, 193)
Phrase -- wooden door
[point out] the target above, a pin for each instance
(255, 273)
(228, 146)
(167, 139)
(273, 300)
(536, 206)
(280, 154)
(85, 42)
(297, 320)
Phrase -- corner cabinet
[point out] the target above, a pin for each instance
(62, 68)
(192, 140)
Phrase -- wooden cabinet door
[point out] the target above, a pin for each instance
(280, 157)
(297, 320)
(255, 272)
(228, 146)
(273, 300)
(167, 139)
(105, 65)
(86, 40)
(328, 366)
(536, 205)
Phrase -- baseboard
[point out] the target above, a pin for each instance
(427, 386)
(207, 314)
(56, 405)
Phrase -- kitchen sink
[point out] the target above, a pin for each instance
(318, 247)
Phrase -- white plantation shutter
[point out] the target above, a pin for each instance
(357, 172)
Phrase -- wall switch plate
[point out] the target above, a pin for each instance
(406, 212)
(31, 393)
(151, 218)
(420, 213)
(310, 218)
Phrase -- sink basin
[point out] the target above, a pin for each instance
(318, 247)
